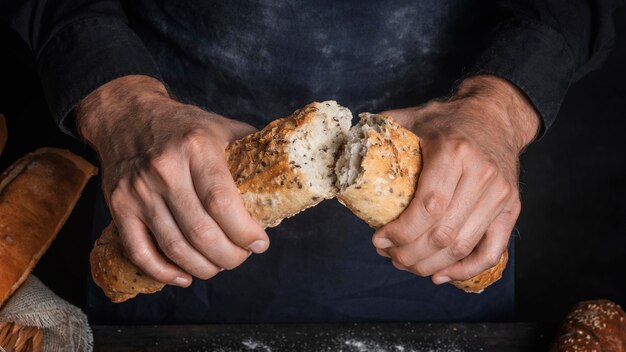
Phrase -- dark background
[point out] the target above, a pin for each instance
(572, 230)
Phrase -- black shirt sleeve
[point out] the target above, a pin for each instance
(78, 45)
(546, 45)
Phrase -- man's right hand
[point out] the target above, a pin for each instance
(165, 179)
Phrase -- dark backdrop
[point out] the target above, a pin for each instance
(572, 230)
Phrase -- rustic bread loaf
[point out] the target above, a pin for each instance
(592, 326)
(3, 133)
(281, 170)
(293, 164)
(377, 174)
(37, 194)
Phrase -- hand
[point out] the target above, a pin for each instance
(467, 200)
(166, 181)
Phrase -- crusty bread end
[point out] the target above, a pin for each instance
(37, 195)
(377, 175)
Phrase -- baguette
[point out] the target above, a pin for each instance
(293, 164)
(37, 195)
(598, 326)
(3, 133)
(281, 170)
(377, 175)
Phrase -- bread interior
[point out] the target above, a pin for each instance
(348, 168)
(315, 147)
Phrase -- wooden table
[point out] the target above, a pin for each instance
(388, 337)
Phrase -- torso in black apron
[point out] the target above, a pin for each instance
(259, 60)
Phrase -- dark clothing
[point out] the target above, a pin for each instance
(258, 60)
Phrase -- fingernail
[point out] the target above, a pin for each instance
(441, 280)
(382, 243)
(258, 246)
(181, 281)
(221, 269)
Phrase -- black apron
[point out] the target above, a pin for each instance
(258, 60)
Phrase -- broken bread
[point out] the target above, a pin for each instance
(289, 165)
(281, 170)
(378, 168)
(377, 173)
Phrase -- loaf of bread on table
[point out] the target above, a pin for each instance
(37, 194)
(592, 326)
(3, 133)
(377, 173)
(281, 170)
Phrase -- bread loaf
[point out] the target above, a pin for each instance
(377, 174)
(281, 170)
(3, 133)
(37, 194)
(592, 326)
(293, 164)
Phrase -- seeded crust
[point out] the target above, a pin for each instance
(270, 183)
(388, 172)
(598, 326)
(110, 267)
(388, 175)
(37, 195)
(480, 282)
(3, 133)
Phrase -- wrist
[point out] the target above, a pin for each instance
(104, 109)
(507, 103)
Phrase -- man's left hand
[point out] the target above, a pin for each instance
(467, 200)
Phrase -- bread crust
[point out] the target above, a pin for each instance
(122, 278)
(388, 175)
(598, 325)
(387, 182)
(37, 195)
(271, 186)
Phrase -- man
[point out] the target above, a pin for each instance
(140, 94)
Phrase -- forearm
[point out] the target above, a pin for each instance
(511, 108)
(101, 112)
(543, 46)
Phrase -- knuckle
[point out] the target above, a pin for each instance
(491, 259)
(139, 255)
(419, 270)
(140, 186)
(164, 166)
(202, 233)
(403, 258)
(462, 248)
(434, 204)
(442, 236)
(218, 201)
(118, 199)
(399, 236)
(507, 191)
(195, 140)
(489, 171)
(175, 249)
(461, 147)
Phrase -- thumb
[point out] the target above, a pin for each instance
(404, 117)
